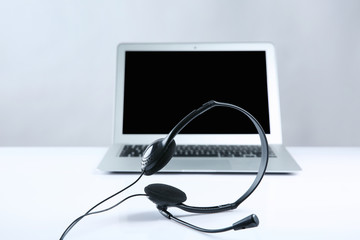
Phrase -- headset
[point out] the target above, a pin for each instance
(159, 153)
(156, 156)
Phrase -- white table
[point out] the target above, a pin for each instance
(44, 189)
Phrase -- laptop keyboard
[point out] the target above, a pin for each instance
(202, 151)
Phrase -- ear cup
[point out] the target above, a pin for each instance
(156, 156)
(164, 195)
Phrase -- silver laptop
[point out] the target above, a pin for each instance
(157, 84)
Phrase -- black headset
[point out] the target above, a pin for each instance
(159, 153)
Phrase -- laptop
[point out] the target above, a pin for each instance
(157, 84)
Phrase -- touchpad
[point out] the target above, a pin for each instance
(198, 165)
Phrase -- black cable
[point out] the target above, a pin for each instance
(92, 213)
(100, 211)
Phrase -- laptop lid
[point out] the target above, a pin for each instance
(159, 83)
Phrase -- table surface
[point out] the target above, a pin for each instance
(43, 189)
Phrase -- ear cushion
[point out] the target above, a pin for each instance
(156, 156)
(165, 195)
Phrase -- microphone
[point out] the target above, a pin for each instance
(247, 222)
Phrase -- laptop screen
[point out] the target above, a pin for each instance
(162, 87)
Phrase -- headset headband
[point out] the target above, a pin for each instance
(168, 142)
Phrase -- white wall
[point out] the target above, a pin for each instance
(57, 62)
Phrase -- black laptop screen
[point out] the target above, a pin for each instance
(162, 87)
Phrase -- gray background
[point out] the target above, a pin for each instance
(57, 62)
